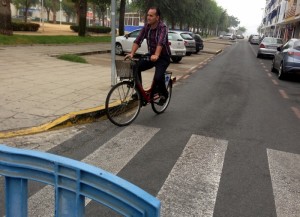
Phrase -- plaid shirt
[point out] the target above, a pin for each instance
(155, 37)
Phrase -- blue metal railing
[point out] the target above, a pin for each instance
(72, 181)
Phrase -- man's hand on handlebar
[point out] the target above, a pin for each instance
(128, 56)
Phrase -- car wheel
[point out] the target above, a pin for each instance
(273, 63)
(119, 49)
(258, 55)
(281, 73)
(176, 59)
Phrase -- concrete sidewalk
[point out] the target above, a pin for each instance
(40, 92)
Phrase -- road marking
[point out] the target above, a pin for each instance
(191, 187)
(296, 111)
(274, 82)
(112, 157)
(269, 74)
(186, 76)
(283, 94)
(285, 175)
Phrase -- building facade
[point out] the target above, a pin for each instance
(281, 18)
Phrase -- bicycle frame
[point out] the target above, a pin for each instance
(145, 94)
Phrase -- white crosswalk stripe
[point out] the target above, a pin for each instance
(112, 157)
(191, 187)
(285, 174)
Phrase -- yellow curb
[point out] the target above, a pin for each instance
(65, 120)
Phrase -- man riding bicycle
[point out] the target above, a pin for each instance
(156, 34)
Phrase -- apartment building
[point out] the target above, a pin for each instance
(281, 18)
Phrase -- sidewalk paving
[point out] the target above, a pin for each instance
(40, 92)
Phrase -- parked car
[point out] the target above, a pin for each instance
(268, 46)
(198, 40)
(124, 43)
(287, 58)
(229, 36)
(254, 39)
(177, 47)
(239, 36)
(189, 42)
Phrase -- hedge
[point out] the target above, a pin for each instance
(30, 27)
(94, 29)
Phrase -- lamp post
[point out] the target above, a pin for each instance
(60, 12)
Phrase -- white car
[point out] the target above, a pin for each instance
(124, 45)
(229, 36)
(177, 47)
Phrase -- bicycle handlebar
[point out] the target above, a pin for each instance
(142, 57)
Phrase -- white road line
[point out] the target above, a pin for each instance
(285, 175)
(296, 111)
(191, 187)
(112, 157)
(283, 94)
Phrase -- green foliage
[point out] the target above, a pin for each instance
(72, 58)
(58, 39)
(94, 29)
(31, 27)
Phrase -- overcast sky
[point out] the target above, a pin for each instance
(248, 12)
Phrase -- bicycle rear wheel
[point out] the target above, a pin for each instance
(123, 103)
(156, 107)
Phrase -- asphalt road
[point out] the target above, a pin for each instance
(228, 144)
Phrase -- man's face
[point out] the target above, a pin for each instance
(152, 18)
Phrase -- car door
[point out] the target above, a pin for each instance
(129, 39)
(281, 55)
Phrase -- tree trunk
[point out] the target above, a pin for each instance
(82, 17)
(5, 18)
(122, 16)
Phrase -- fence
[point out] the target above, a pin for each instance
(72, 181)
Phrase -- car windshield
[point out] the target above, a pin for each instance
(173, 36)
(186, 36)
(297, 45)
(273, 40)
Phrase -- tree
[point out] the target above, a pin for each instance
(121, 17)
(82, 6)
(5, 18)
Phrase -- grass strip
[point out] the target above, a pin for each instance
(56, 39)
(72, 58)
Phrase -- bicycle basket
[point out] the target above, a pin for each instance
(124, 69)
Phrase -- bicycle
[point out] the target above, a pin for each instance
(125, 99)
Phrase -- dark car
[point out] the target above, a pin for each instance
(287, 58)
(199, 42)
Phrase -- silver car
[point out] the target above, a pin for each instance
(255, 39)
(287, 58)
(189, 41)
(268, 46)
(177, 47)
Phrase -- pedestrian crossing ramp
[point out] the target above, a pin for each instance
(73, 181)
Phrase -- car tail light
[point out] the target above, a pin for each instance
(291, 53)
(262, 46)
(186, 43)
(169, 43)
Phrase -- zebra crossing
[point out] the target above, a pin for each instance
(191, 187)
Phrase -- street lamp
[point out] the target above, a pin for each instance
(60, 11)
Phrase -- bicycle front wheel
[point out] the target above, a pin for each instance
(123, 103)
(156, 106)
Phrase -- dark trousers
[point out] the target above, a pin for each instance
(161, 66)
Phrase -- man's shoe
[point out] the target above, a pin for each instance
(162, 100)
(134, 96)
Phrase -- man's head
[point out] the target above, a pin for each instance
(153, 16)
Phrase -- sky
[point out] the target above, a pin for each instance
(249, 13)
